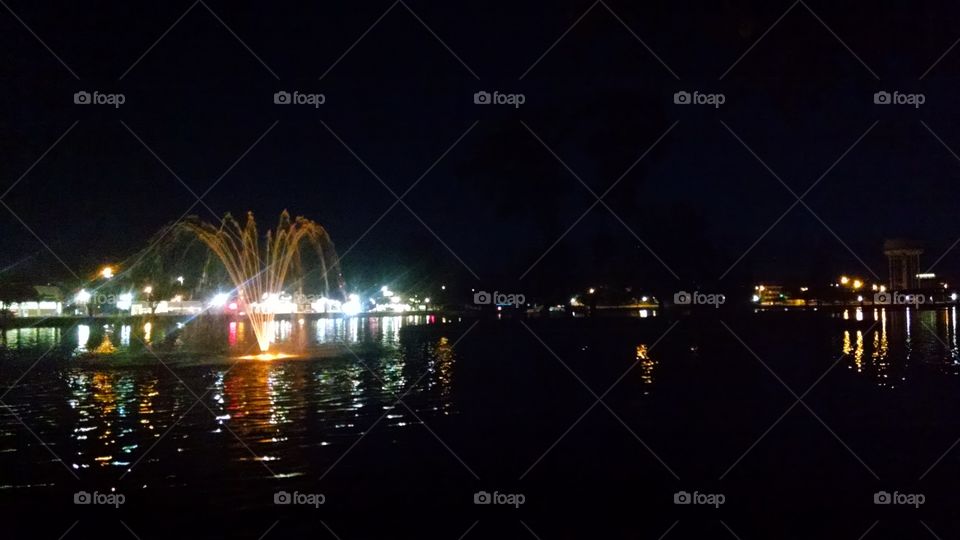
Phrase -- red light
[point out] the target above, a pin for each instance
(233, 306)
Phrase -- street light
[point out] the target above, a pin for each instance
(106, 272)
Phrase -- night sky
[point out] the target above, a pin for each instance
(199, 94)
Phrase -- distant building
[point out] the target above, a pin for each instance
(903, 261)
(49, 293)
(167, 307)
(46, 301)
(769, 294)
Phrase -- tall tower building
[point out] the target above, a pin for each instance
(903, 261)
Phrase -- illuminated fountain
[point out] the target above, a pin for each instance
(259, 267)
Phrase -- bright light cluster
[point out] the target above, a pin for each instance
(386, 300)
(352, 306)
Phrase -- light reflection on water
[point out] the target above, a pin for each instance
(647, 365)
(19, 338)
(886, 343)
(102, 414)
(213, 335)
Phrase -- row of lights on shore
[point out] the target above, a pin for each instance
(351, 306)
(854, 284)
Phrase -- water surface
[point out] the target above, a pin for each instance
(170, 418)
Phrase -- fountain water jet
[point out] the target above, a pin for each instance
(258, 273)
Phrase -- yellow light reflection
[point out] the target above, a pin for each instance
(647, 364)
(858, 352)
(106, 346)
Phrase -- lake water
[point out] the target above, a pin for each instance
(796, 419)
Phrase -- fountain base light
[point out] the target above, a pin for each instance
(266, 357)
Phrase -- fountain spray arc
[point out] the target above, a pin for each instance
(259, 270)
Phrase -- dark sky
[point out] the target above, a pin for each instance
(399, 98)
